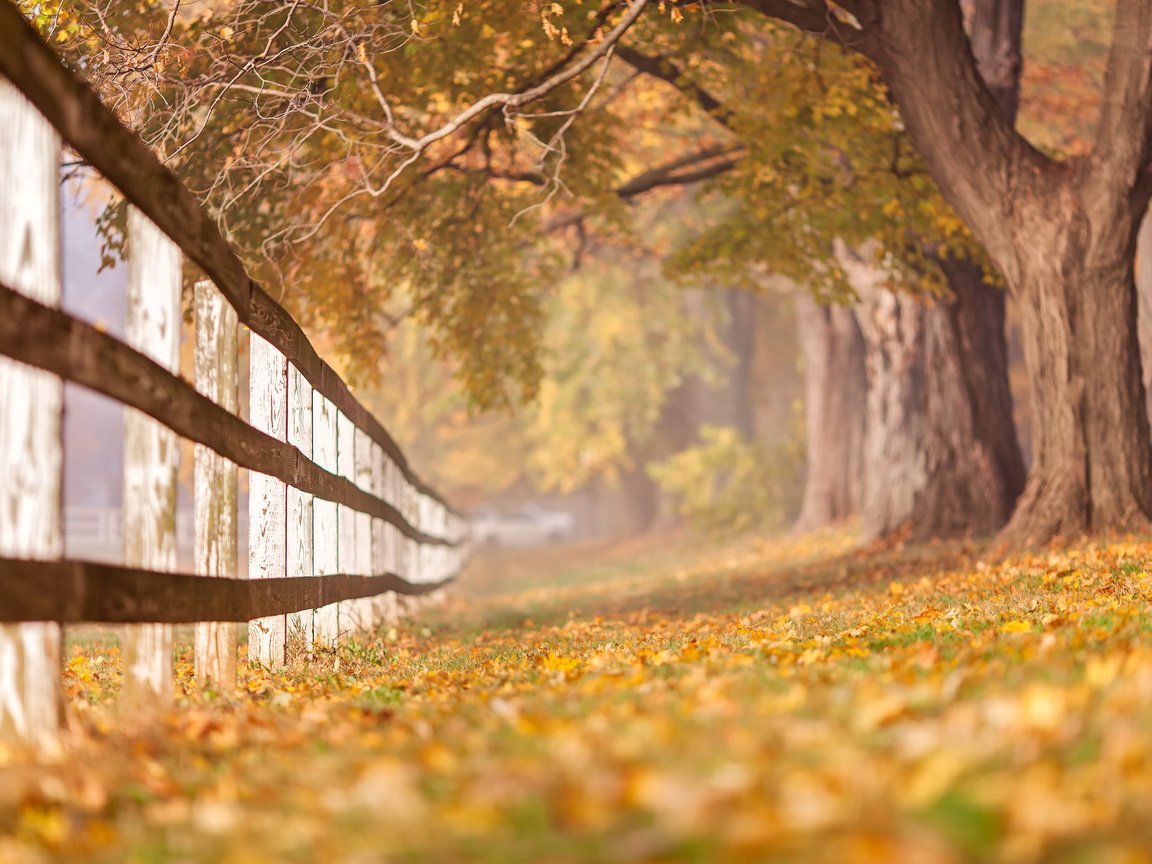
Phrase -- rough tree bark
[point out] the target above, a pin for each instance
(1078, 319)
(835, 399)
(974, 322)
(941, 452)
(996, 30)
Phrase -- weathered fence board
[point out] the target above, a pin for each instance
(151, 452)
(267, 498)
(31, 404)
(217, 378)
(346, 516)
(324, 516)
(365, 617)
(383, 606)
(301, 625)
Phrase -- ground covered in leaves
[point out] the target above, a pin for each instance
(785, 701)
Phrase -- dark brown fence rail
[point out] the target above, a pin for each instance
(74, 592)
(76, 351)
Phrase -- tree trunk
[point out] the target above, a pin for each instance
(1144, 301)
(1063, 236)
(835, 397)
(975, 323)
(742, 315)
(941, 451)
(1092, 468)
(640, 496)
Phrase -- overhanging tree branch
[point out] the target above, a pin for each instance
(667, 71)
(820, 19)
(705, 164)
(506, 100)
(681, 171)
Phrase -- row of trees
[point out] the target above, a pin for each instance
(1074, 287)
(358, 154)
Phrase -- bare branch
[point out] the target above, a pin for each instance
(163, 41)
(514, 100)
(719, 160)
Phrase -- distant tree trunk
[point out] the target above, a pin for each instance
(835, 398)
(702, 400)
(1144, 305)
(941, 452)
(976, 321)
(742, 315)
(641, 498)
(996, 28)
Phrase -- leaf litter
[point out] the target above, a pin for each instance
(784, 700)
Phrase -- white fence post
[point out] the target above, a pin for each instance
(324, 518)
(301, 625)
(217, 377)
(384, 610)
(366, 607)
(267, 497)
(31, 405)
(151, 453)
(346, 517)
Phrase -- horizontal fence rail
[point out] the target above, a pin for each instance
(339, 527)
(79, 352)
(76, 592)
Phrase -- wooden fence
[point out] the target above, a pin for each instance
(339, 525)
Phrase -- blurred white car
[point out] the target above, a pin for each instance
(528, 526)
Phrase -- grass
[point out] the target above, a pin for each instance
(659, 701)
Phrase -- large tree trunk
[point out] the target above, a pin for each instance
(1063, 236)
(941, 451)
(1078, 312)
(835, 398)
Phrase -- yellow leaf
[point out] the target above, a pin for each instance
(1016, 627)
